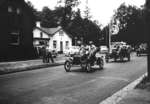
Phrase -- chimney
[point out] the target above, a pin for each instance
(38, 24)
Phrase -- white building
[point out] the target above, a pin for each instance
(40, 37)
(56, 38)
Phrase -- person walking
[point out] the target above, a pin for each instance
(44, 54)
(49, 55)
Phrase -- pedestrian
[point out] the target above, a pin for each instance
(44, 54)
(49, 55)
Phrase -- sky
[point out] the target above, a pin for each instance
(100, 10)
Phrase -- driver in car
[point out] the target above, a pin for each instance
(92, 50)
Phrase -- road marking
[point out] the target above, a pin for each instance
(118, 96)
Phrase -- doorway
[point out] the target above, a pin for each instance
(61, 47)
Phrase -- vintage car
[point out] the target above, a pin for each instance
(85, 61)
(123, 52)
(142, 49)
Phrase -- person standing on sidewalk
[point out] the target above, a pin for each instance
(44, 54)
(49, 55)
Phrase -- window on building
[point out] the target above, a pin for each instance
(41, 42)
(14, 37)
(67, 44)
(61, 32)
(18, 11)
(54, 44)
(41, 35)
(10, 9)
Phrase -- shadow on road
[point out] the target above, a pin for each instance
(80, 70)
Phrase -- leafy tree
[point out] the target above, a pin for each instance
(131, 24)
(71, 21)
(46, 17)
(134, 25)
(34, 11)
(104, 35)
(68, 12)
(84, 28)
(51, 18)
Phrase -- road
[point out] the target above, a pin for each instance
(55, 86)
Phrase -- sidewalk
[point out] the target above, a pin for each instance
(138, 95)
(9, 67)
(131, 94)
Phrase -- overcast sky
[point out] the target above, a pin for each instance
(101, 10)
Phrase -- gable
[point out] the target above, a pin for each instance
(39, 29)
(63, 33)
(51, 31)
(38, 33)
(62, 37)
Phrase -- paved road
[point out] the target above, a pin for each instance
(55, 86)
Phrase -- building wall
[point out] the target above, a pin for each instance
(37, 32)
(24, 49)
(60, 38)
(38, 36)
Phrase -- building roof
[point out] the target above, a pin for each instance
(51, 31)
(42, 30)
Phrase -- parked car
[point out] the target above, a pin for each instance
(72, 50)
(103, 49)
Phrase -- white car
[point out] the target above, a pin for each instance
(103, 49)
(72, 50)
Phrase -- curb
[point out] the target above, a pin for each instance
(118, 96)
(30, 68)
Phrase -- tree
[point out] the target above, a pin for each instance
(71, 21)
(134, 25)
(83, 27)
(34, 11)
(105, 33)
(68, 11)
(51, 18)
(131, 23)
(46, 17)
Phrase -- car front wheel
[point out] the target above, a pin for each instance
(67, 66)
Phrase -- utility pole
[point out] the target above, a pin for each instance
(147, 18)
(109, 37)
(110, 33)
